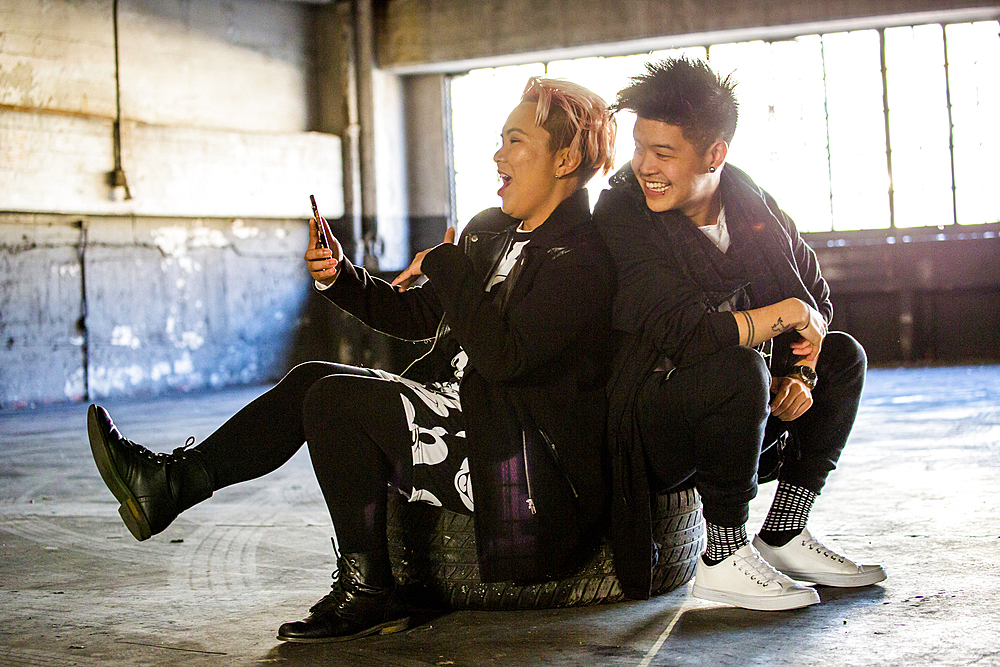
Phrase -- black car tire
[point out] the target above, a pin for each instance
(434, 559)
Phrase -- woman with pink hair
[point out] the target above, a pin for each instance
(509, 400)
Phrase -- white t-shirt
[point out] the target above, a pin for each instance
(520, 239)
(719, 235)
(719, 232)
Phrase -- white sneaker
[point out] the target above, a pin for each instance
(806, 559)
(746, 580)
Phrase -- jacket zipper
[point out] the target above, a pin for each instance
(527, 476)
(524, 437)
(559, 463)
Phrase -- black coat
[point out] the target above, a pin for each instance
(533, 391)
(663, 315)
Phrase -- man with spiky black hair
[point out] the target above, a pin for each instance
(726, 375)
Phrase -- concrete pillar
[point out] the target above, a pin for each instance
(364, 105)
(337, 103)
(429, 159)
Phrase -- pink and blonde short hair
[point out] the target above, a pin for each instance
(575, 118)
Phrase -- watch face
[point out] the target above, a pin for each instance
(806, 374)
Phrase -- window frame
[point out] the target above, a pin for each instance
(892, 233)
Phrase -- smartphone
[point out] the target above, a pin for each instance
(320, 227)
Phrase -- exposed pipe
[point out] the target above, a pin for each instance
(116, 178)
(888, 143)
(951, 123)
(364, 62)
(353, 208)
(81, 323)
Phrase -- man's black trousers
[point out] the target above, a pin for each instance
(708, 421)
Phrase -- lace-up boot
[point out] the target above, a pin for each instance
(364, 600)
(152, 488)
(806, 559)
(747, 580)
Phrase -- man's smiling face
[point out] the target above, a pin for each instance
(673, 173)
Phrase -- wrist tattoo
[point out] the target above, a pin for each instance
(750, 328)
(780, 326)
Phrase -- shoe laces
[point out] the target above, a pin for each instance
(813, 544)
(758, 569)
(160, 457)
(332, 600)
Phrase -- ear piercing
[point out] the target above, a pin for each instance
(711, 170)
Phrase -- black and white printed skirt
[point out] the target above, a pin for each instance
(440, 473)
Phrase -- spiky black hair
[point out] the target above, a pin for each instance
(685, 93)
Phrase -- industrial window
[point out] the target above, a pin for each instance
(887, 129)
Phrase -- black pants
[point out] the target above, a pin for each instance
(708, 420)
(362, 437)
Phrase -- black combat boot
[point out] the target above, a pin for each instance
(364, 601)
(152, 488)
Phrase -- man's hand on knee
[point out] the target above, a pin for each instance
(791, 398)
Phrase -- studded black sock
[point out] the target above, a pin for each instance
(788, 514)
(723, 542)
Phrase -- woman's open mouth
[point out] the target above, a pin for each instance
(504, 182)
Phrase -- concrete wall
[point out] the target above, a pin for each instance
(197, 280)
(215, 105)
(452, 35)
(231, 113)
(922, 298)
(104, 306)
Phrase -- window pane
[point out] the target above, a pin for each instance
(812, 122)
(918, 126)
(973, 71)
(781, 136)
(481, 102)
(859, 175)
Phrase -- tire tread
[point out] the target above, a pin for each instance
(435, 560)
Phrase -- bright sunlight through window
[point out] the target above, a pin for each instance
(870, 129)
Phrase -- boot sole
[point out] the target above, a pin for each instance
(133, 516)
(757, 603)
(387, 628)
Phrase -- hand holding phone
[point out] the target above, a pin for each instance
(320, 227)
(324, 252)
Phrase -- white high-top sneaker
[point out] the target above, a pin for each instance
(746, 580)
(806, 559)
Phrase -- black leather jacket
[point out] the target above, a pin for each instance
(533, 391)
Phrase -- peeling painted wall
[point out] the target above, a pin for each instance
(116, 306)
(216, 109)
(40, 309)
(178, 303)
(197, 281)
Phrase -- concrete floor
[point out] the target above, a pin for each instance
(918, 490)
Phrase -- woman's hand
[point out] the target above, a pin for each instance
(323, 262)
(413, 271)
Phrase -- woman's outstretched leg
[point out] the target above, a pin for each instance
(268, 431)
(154, 488)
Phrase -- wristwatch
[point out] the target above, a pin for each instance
(806, 375)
